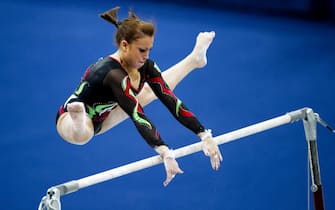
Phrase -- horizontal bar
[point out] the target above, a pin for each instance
(183, 151)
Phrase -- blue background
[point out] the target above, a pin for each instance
(259, 66)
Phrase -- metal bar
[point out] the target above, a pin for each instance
(187, 150)
(310, 131)
(52, 199)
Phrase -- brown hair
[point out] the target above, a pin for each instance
(129, 29)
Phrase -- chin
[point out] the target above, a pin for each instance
(140, 65)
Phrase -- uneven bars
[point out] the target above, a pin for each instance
(75, 185)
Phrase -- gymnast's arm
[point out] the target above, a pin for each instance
(184, 115)
(173, 104)
(120, 86)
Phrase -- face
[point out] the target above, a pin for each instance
(136, 53)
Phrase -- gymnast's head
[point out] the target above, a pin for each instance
(132, 32)
(130, 28)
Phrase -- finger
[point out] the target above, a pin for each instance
(215, 161)
(214, 164)
(179, 171)
(169, 177)
(176, 170)
(221, 158)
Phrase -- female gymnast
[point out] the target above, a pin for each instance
(119, 85)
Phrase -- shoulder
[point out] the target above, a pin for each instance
(110, 69)
(107, 63)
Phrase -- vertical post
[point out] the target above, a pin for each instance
(310, 132)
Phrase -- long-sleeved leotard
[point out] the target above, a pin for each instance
(106, 84)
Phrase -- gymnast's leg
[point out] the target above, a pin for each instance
(196, 59)
(172, 76)
(75, 126)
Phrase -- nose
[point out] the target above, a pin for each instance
(146, 55)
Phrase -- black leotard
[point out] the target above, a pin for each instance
(106, 84)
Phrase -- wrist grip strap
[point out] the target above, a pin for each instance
(208, 134)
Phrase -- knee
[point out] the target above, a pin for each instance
(72, 135)
(75, 137)
(78, 140)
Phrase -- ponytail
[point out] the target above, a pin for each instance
(129, 29)
(111, 16)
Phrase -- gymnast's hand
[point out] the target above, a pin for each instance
(211, 149)
(170, 163)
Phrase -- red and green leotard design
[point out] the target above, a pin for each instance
(107, 83)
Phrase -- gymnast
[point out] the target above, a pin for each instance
(120, 84)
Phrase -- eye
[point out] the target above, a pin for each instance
(142, 50)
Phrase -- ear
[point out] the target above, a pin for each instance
(124, 45)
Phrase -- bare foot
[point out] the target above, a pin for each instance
(78, 114)
(204, 39)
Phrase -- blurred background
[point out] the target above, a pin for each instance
(268, 58)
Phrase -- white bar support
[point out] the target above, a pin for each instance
(75, 185)
(183, 151)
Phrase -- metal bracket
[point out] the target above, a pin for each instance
(51, 201)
